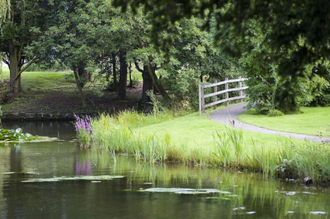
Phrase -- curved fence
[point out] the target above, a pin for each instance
(215, 93)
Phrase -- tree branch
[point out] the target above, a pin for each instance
(23, 69)
(5, 61)
(137, 66)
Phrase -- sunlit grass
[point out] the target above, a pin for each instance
(312, 121)
(42, 80)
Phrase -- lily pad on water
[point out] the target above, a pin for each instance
(63, 178)
(7, 135)
(318, 212)
(39, 139)
(185, 191)
(25, 173)
(8, 173)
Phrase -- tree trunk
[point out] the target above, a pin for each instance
(114, 69)
(158, 86)
(147, 85)
(14, 68)
(77, 71)
(130, 75)
(123, 75)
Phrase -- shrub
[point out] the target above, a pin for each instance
(274, 113)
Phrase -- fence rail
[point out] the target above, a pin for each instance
(215, 93)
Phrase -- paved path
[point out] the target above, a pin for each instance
(229, 114)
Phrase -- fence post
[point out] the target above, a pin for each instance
(240, 86)
(226, 94)
(202, 97)
(215, 89)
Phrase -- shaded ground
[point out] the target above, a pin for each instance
(228, 116)
(65, 99)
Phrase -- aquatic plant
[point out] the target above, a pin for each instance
(16, 135)
(83, 129)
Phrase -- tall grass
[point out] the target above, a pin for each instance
(115, 134)
(286, 158)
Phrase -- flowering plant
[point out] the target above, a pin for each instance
(83, 129)
(83, 124)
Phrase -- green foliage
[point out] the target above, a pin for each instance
(293, 36)
(84, 137)
(277, 50)
(274, 113)
(47, 67)
(22, 39)
(16, 135)
(157, 106)
(229, 145)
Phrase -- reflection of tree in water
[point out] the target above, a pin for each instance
(15, 203)
(83, 168)
(4, 167)
(65, 130)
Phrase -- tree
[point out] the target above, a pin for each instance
(4, 7)
(297, 31)
(21, 37)
(78, 37)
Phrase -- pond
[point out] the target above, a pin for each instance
(59, 180)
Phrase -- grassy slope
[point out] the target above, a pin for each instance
(194, 129)
(312, 121)
(42, 80)
(57, 91)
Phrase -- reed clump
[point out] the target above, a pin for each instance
(229, 148)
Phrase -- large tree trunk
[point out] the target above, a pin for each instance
(78, 72)
(147, 85)
(14, 69)
(123, 75)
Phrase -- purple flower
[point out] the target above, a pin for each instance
(84, 124)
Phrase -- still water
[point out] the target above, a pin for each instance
(141, 190)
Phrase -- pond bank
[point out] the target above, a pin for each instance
(196, 139)
(22, 116)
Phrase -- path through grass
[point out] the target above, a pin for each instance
(312, 121)
(194, 129)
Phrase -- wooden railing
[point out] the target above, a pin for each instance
(215, 93)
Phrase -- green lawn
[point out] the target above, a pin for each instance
(194, 129)
(312, 121)
(43, 80)
(196, 139)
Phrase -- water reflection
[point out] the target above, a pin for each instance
(83, 168)
(62, 129)
(137, 194)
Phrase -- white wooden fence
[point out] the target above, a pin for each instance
(215, 93)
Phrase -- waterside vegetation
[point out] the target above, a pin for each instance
(197, 140)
